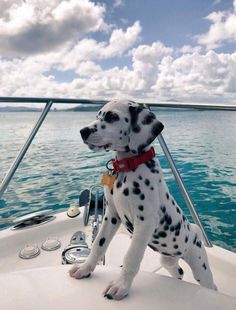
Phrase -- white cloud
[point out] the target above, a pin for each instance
(198, 76)
(155, 71)
(118, 3)
(186, 49)
(89, 49)
(222, 29)
(30, 27)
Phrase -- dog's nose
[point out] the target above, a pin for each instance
(85, 132)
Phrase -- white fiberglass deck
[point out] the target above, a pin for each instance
(43, 283)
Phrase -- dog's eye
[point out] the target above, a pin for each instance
(111, 117)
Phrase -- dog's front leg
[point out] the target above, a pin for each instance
(111, 223)
(141, 237)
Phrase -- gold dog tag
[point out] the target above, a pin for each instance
(108, 180)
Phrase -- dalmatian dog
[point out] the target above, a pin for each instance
(140, 199)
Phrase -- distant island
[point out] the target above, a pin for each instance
(81, 108)
(19, 109)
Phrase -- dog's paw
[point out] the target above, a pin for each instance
(116, 290)
(80, 271)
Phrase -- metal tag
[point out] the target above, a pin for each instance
(108, 180)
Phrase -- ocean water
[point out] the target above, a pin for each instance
(58, 165)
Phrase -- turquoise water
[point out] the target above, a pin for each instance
(58, 166)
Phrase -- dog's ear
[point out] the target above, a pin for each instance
(144, 127)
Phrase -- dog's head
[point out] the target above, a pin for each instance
(122, 125)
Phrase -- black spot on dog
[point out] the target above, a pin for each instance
(166, 254)
(142, 197)
(140, 208)
(129, 225)
(168, 219)
(111, 117)
(126, 192)
(152, 247)
(162, 234)
(125, 179)
(140, 177)
(173, 203)
(167, 196)
(150, 164)
(141, 147)
(102, 241)
(176, 246)
(136, 128)
(204, 266)
(163, 209)
(103, 126)
(178, 253)
(163, 245)
(174, 239)
(121, 131)
(172, 228)
(178, 226)
(155, 241)
(118, 184)
(148, 119)
(199, 243)
(105, 218)
(136, 191)
(162, 220)
(126, 119)
(136, 184)
(177, 233)
(166, 227)
(141, 218)
(186, 239)
(127, 149)
(195, 239)
(151, 188)
(112, 191)
(180, 270)
(147, 182)
(178, 210)
(114, 220)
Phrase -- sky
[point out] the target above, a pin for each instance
(149, 51)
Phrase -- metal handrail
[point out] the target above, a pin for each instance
(164, 104)
(182, 187)
(24, 149)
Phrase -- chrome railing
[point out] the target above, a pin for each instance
(48, 104)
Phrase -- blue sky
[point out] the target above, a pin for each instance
(145, 50)
(173, 22)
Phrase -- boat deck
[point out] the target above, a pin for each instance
(152, 283)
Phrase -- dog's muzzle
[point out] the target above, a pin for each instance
(85, 133)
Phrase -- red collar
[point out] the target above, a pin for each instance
(128, 164)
